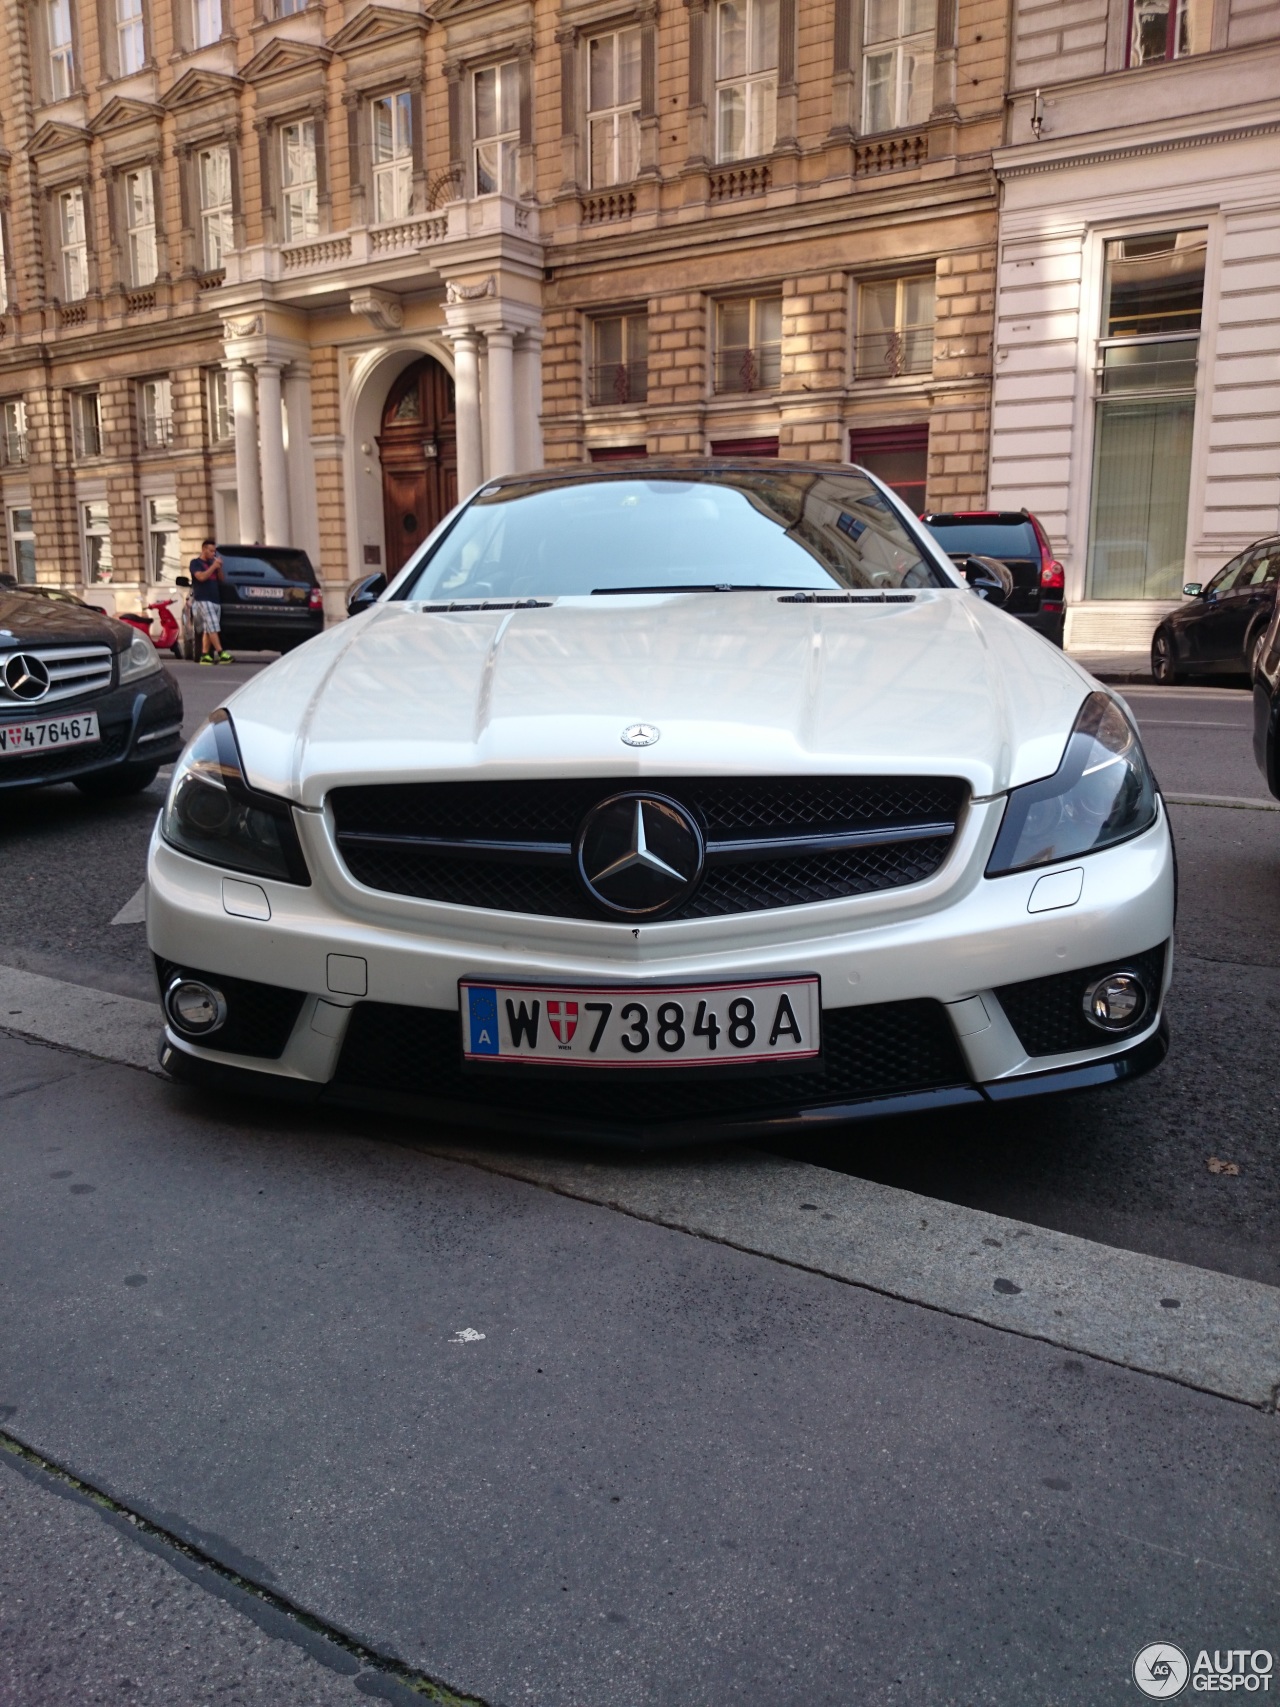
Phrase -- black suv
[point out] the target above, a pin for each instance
(1016, 539)
(271, 599)
(83, 699)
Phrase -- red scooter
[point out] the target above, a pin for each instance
(170, 636)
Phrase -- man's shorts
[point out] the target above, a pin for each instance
(206, 616)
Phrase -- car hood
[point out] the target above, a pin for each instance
(28, 620)
(736, 683)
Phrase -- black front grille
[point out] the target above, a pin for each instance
(260, 1017)
(66, 761)
(549, 812)
(1048, 1013)
(891, 1048)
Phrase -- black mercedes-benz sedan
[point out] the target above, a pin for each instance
(1220, 630)
(83, 699)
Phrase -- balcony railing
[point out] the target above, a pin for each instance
(157, 433)
(15, 447)
(754, 369)
(619, 382)
(891, 355)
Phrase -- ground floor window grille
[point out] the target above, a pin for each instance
(619, 359)
(749, 344)
(22, 547)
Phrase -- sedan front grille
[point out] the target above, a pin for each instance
(770, 841)
(72, 670)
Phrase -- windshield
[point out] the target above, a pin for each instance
(721, 531)
(985, 537)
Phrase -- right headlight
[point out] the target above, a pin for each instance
(1102, 793)
(213, 814)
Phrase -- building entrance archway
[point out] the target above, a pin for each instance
(418, 448)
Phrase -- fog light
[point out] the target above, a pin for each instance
(195, 1008)
(1116, 1002)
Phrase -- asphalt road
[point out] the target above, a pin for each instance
(539, 1451)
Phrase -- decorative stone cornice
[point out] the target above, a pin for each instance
(381, 307)
(1028, 159)
(454, 293)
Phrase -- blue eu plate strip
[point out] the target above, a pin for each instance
(482, 1008)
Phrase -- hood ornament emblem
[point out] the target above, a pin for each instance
(639, 854)
(641, 734)
(26, 676)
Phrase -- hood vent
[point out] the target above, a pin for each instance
(493, 604)
(847, 599)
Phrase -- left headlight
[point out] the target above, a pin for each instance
(213, 814)
(140, 660)
(1102, 793)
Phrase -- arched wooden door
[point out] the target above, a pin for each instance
(418, 445)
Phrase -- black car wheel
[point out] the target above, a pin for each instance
(1163, 668)
(113, 784)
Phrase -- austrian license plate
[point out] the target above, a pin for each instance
(19, 739)
(685, 1025)
(262, 592)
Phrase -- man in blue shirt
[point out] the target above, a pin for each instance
(206, 603)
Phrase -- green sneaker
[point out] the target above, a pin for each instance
(225, 658)
(207, 658)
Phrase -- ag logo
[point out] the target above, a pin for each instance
(1161, 1671)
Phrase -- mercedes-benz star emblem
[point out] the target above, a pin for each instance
(26, 676)
(639, 854)
(641, 734)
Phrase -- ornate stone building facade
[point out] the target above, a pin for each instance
(300, 271)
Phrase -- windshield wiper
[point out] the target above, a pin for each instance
(695, 587)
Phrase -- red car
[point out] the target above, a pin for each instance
(1018, 541)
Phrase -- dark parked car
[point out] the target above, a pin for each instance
(1220, 630)
(271, 599)
(1016, 539)
(83, 699)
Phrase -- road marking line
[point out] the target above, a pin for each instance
(1235, 802)
(98, 1022)
(1086, 1297)
(134, 911)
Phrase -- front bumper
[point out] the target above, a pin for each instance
(947, 945)
(140, 723)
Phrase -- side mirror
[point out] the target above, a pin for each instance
(988, 578)
(1193, 590)
(363, 594)
(182, 580)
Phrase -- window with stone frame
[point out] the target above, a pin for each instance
(619, 359)
(13, 431)
(613, 108)
(496, 128)
(1161, 30)
(130, 37)
(139, 194)
(299, 180)
(73, 244)
(746, 78)
(748, 344)
(213, 189)
(895, 327)
(22, 545)
(164, 559)
(898, 40)
(56, 18)
(287, 8)
(95, 536)
(222, 424)
(86, 425)
(206, 22)
(155, 408)
(391, 122)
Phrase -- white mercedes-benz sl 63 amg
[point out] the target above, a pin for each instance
(659, 801)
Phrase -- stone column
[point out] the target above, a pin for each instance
(501, 403)
(275, 468)
(529, 401)
(466, 381)
(248, 482)
(302, 474)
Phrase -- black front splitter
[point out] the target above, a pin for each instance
(214, 1075)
